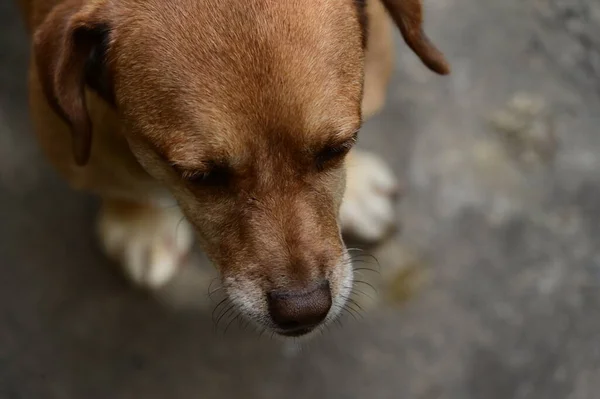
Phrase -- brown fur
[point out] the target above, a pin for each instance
(242, 110)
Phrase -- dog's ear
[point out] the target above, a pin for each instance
(65, 47)
(408, 16)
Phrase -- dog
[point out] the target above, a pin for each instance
(230, 122)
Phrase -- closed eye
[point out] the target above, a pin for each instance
(333, 154)
(214, 175)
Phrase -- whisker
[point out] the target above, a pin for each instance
(367, 269)
(352, 301)
(372, 260)
(347, 310)
(355, 249)
(229, 309)
(211, 292)
(244, 326)
(355, 311)
(356, 291)
(231, 321)
(349, 301)
(362, 261)
(217, 307)
(367, 284)
(365, 255)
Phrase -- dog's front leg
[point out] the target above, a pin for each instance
(367, 211)
(149, 242)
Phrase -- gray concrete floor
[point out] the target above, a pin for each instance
(501, 217)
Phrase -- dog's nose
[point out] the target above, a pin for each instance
(298, 312)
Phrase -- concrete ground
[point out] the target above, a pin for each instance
(490, 292)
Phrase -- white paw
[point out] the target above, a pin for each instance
(149, 243)
(367, 211)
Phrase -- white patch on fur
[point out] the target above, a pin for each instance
(149, 248)
(367, 211)
(250, 300)
(340, 282)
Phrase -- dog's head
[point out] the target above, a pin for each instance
(245, 110)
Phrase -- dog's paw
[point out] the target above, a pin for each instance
(367, 211)
(148, 243)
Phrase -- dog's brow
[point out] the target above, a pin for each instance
(186, 156)
(197, 166)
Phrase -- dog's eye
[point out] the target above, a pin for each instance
(215, 176)
(332, 155)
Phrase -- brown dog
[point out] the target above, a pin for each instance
(243, 113)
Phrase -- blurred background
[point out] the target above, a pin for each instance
(490, 291)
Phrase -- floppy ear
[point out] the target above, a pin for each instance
(62, 46)
(408, 15)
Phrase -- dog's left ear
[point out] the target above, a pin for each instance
(63, 46)
(408, 16)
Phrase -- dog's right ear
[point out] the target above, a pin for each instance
(62, 47)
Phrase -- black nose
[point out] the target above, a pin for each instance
(298, 312)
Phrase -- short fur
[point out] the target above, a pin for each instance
(243, 111)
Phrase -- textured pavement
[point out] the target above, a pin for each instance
(501, 221)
